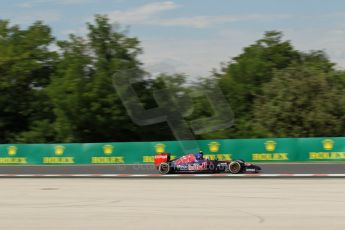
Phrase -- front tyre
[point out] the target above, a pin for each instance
(164, 168)
(235, 167)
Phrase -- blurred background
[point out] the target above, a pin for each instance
(280, 65)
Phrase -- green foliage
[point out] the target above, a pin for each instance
(259, 90)
(243, 78)
(68, 96)
(26, 64)
(86, 105)
(307, 105)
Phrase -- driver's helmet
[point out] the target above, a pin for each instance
(199, 156)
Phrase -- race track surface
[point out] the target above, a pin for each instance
(142, 204)
(276, 168)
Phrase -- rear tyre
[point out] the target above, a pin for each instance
(164, 168)
(235, 167)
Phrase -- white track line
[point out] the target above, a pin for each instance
(157, 175)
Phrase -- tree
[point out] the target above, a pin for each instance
(26, 64)
(243, 77)
(300, 101)
(86, 105)
(68, 95)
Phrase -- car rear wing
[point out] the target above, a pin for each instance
(161, 158)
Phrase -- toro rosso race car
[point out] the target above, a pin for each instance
(196, 163)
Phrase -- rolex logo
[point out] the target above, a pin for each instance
(214, 146)
(59, 150)
(12, 150)
(270, 145)
(160, 148)
(328, 144)
(108, 149)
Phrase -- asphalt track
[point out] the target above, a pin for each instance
(142, 204)
(276, 168)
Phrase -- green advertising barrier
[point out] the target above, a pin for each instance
(253, 150)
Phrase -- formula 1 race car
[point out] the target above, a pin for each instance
(196, 163)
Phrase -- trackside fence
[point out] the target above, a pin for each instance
(253, 150)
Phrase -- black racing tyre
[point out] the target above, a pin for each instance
(235, 167)
(164, 168)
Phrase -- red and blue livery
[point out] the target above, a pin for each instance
(196, 163)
